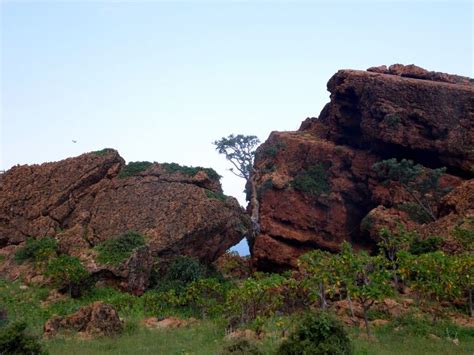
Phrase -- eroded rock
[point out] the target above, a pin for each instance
(97, 319)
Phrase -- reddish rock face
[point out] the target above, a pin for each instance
(81, 202)
(431, 122)
(372, 116)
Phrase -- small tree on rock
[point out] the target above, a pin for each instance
(240, 151)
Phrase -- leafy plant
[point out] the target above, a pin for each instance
(254, 297)
(117, 249)
(392, 120)
(37, 250)
(186, 269)
(216, 195)
(438, 276)
(68, 273)
(422, 246)
(393, 242)
(420, 183)
(190, 170)
(103, 152)
(317, 333)
(14, 339)
(415, 212)
(270, 150)
(365, 278)
(463, 233)
(313, 181)
(133, 168)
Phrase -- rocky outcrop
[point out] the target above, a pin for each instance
(86, 200)
(317, 185)
(97, 319)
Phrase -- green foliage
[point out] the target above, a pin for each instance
(216, 195)
(133, 168)
(423, 246)
(240, 151)
(422, 184)
(313, 181)
(206, 297)
(240, 346)
(438, 276)
(392, 120)
(271, 150)
(117, 249)
(14, 339)
(463, 233)
(37, 250)
(185, 269)
(415, 212)
(190, 170)
(317, 333)
(256, 296)
(68, 273)
(103, 152)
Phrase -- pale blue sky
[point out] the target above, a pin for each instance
(160, 80)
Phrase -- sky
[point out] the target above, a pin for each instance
(161, 80)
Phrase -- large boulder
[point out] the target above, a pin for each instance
(86, 200)
(317, 187)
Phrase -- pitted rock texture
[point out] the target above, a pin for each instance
(399, 112)
(82, 202)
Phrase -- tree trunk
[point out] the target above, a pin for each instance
(471, 301)
(255, 208)
(366, 321)
(322, 296)
(350, 305)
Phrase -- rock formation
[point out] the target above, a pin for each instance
(317, 184)
(86, 200)
(97, 319)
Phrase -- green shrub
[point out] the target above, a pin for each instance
(133, 168)
(392, 120)
(216, 195)
(423, 246)
(270, 150)
(463, 233)
(185, 270)
(240, 346)
(68, 273)
(317, 333)
(103, 152)
(117, 249)
(257, 296)
(415, 212)
(313, 181)
(190, 170)
(14, 339)
(40, 249)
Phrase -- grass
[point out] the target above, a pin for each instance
(407, 335)
(204, 338)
